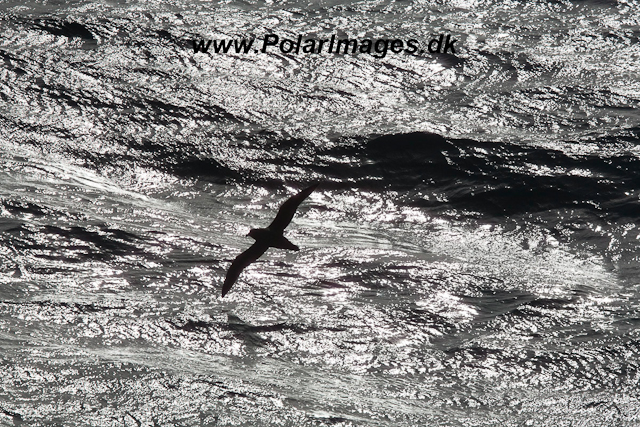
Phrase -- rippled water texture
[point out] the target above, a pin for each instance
(469, 259)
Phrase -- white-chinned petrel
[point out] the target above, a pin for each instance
(265, 238)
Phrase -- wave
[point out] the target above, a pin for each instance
(432, 171)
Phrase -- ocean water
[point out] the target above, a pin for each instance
(469, 259)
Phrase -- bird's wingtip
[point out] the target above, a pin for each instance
(225, 289)
(312, 187)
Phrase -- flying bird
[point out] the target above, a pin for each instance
(265, 238)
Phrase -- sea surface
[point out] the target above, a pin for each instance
(470, 257)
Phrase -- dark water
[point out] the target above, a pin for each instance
(470, 258)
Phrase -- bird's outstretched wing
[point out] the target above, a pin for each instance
(288, 209)
(244, 259)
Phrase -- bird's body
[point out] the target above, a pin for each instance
(265, 238)
(273, 239)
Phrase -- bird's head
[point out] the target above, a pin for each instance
(253, 233)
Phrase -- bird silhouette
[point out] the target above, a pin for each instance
(265, 238)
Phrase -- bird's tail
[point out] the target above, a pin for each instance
(284, 243)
